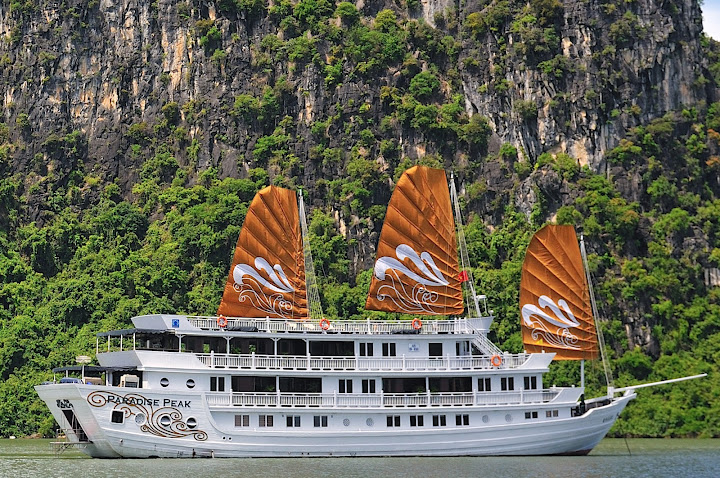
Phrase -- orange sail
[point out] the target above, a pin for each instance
(555, 298)
(267, 277)
(417, 268)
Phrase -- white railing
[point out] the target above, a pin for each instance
(379, 400)
(429, 326)
(402, 363)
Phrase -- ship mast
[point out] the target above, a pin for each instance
(464, 259)
(315, 311)
(601, 340)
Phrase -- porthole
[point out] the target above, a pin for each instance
(140, 418)
(165, 420)
(508, 418)
(370, 422)
(164, 382)
(485, 418)
(346, 422)
(191, 422)
(190, 383)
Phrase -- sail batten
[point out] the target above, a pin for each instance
(556, 314)
(417, 269)
(267, 275)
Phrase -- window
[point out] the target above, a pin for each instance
(242, 420)
(507, 383)
(439, 421)
(190, 383)
(292, 421)
(435, 349)
(164, 382)
(265, 420)
(117, 416)
(393, 420)
(529, 415)
(389, 349)
(530, 383)
(484, 385)
(320, 421)
(551, 413)
(368, 386)
(417, 421)
(345, 386)
(366, 349)
(217, 384)
(462, 420)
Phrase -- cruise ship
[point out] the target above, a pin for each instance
(271, 376)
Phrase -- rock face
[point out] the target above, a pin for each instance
(573, 81)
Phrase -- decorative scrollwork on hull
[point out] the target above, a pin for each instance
(166, 422)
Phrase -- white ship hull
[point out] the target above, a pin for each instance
(348, 435)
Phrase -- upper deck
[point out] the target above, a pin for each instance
(182, 324)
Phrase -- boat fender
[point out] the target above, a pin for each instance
(324, 323)
(222, 321)
(416, 323)
(496, 360)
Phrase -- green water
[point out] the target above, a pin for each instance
(612, 458)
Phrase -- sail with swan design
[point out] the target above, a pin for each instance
(417, 269)
(555, 297)
(267, 276)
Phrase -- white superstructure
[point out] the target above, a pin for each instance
(177, 386)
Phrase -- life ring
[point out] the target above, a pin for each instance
(222, 321)
(496, 360)
(324, 323)
(416, 323)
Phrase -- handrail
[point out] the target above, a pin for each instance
(401, 363)
(451, 326)
(378, 400)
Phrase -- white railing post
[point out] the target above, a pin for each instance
(252, 361)
(335, 398)
(403, 362)
(212, 359)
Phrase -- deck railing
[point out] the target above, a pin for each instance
(454, 326)
(378, 400)
(381, 364)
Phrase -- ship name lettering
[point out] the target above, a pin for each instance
(134, 400)
(176, 403)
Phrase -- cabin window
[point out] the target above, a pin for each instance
(439, 420)
(265, 420)
(117, 416)
(164, 382)
(530, 415)
(300, 384)
(190, 383)
(242, 420)
(417, 421)
(530, 383)
(484, 385)
(551, 413)
(462, 419)
(191, 423)
(450, 384)
(292, 421)
(320, 421)
(366, 349)
(389, 349)
(345, 386)
(393, 420)
(332, 348)
(217, 384)
(507, 383)
(435, 349)
(368, 386)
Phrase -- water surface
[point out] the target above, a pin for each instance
(635, 458)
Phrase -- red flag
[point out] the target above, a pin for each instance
(464, 276)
